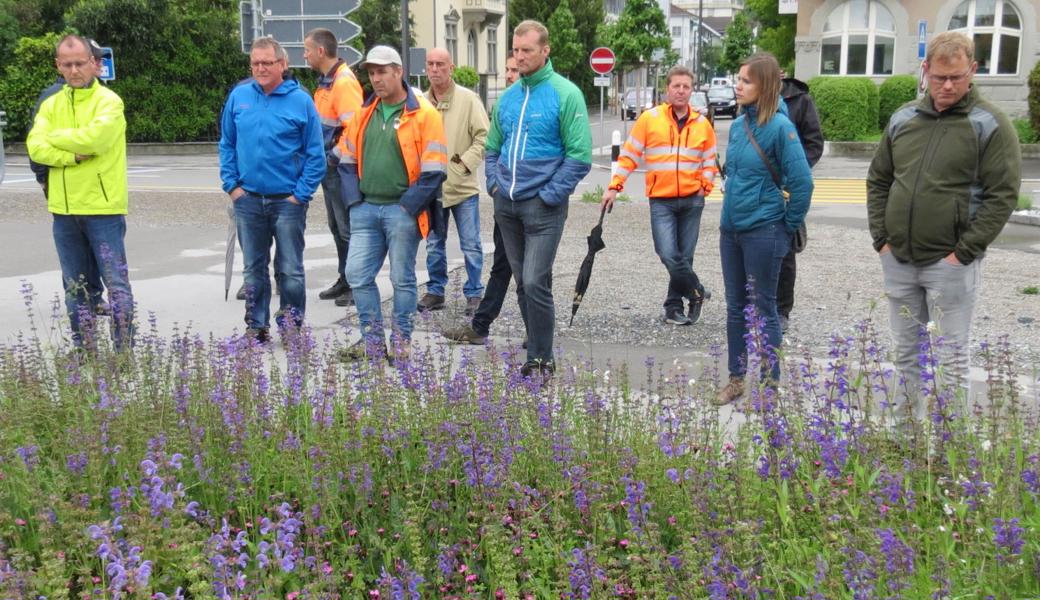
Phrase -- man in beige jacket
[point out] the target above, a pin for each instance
(466, 126)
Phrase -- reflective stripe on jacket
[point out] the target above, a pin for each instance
(424, 147)
(337, 97)
(679, 162)
(87, 121)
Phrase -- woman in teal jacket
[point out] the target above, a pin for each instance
(758, 220)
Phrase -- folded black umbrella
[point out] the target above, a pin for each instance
(595, 241)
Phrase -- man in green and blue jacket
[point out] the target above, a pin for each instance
(538, 149)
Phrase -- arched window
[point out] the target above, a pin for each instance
(997, 30)
(471, 49)
(859, 38)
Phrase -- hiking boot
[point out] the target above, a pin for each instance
(402, 352)
(346, 298)
(545, 369)
(472, 304)
(361, 350)
(785, 322)
(335, 290)
(241, 293)
(431, 302)
(102, 309)
(262, 335)
(697, 302)
(676, 316)
(464, 334)
(733, 390)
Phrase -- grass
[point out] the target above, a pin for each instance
(596, 196)
(202, 467)
(1031, 290)
(1025, 202)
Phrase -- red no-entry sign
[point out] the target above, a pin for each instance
(602, 60)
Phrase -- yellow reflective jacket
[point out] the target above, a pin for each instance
(679, 162)
(87, 121)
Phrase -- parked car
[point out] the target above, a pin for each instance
(723, 100)
(699, 102)
(636, 102)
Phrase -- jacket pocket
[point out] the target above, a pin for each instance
(101, 184)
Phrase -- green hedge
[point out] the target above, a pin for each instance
(893, 93)
(1034, 97)
(848, 107)
(466, 77)
(30, 70)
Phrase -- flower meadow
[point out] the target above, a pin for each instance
(201, 467)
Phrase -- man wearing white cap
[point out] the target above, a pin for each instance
(393, 159)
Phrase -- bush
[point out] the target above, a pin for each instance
(893, 93)
(1034, 97)
(466, 77)
(1025, 131)
(30, 71)
(848, 106)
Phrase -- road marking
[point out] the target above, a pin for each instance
(827, 191)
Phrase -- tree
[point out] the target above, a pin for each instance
(775, 31)
(380, 22)
(737, 43)
(566, 49)
(588, 16)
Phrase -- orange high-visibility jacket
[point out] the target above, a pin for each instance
(337, 97)
(420, 132)
(679, 163)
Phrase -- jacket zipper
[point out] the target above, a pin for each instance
(516, 142)
(64, 185)
(101, 182)
(929, 153)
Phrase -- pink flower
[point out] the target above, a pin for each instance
(292, 595)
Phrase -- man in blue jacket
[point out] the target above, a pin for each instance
(272, 160)
(538, 149)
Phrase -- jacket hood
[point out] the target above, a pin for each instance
(791, 87)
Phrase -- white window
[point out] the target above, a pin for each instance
(471, 50)
(451, 38)
(859, 38)
(676, 30)
(997, 30)
(492, 49)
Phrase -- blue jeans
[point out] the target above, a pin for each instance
(676, 226)
(467, 220)
(375, 231)
(91, 248)
(752, 257)
(339, 218)
(531, 232)
(495, 292)
(261, 221)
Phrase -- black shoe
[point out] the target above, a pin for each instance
(676, 316)
(241, 293)
(472, 304)
(697, 302)
(545, 369)
(262, 335)
(346, 298)
(431, 302)
(785, 322)
(335, 290)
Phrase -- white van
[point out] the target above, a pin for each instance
(721, 82)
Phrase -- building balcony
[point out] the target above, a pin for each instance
(481, 12)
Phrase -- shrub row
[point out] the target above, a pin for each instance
(854, 108)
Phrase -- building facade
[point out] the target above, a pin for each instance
(879, 38)
(473, 31)
(682, 25)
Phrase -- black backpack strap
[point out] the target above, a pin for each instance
(762, 155)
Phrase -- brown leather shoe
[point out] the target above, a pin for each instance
(732, 390)
(431, 302)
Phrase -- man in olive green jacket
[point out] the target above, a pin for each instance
(79, 133)
(940, 188)
(466, 126)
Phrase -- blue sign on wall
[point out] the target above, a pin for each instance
(922, 38)
(107, 67)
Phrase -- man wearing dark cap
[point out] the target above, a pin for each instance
(393, 159)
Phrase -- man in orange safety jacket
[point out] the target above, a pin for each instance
(677, 145)
(393, 159)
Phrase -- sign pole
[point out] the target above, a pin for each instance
(601, 92)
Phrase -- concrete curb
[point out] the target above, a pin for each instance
(143, 149)
(867, 149)
(1024, 219)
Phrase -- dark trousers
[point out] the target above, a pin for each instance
(495, 290)
(785, 286)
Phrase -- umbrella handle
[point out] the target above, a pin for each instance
(602, 212)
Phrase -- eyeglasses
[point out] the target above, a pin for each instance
(77, 65)
(954, 79)
(267, 64)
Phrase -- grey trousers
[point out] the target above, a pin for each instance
(940, 296)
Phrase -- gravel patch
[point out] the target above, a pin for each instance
(839, 283)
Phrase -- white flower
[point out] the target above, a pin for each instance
(931, 327)
(942, 528)
(606, 376)
(986, 445)
(947, 509)
(691, 381)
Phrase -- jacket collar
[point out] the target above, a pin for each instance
(284, 88)
(411, 101)
(925, 105)
(329, 78)
(538, 76)
(88, 90)
(444, 98)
